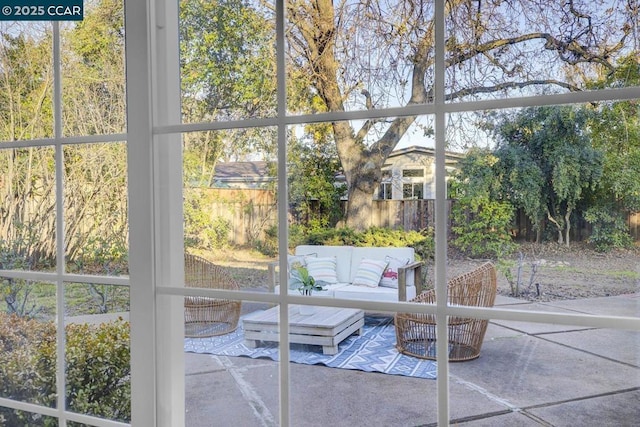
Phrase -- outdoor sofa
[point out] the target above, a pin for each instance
(350, 272)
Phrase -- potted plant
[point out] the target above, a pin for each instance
(306, 287)
(307, 282)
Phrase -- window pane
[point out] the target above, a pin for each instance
(97, 352)
(28, 222)
(26, 106)
(509, 383)
(93, 71)
(96, 206)
(227, 60)
(221, 385)
(412, 173)
(517, 49)
(229, 194)
(366, 58)
(28, 353)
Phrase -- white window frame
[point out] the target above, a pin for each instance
(151, 46)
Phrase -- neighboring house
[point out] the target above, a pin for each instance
(408, 174)
(242, 175)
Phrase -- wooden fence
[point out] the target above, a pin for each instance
(250, 212)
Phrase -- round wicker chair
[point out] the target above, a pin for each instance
(204, 316)
(416, 333)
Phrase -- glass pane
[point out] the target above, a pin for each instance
(222, 385)
(498, 49)
(28, 220)
(97, 352)
(96, 206)
(230, 202)
(16, 417)
(357, 56)
(26, 106)
(28, 347)
(551, 194)
(93, 71)
(227, 60)
(94, 299)
(594, 372)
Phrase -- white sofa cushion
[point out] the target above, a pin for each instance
(371, 294)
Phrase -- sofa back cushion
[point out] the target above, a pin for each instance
(342, 254)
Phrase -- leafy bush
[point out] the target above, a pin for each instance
(480, 227)
(609, 228)
(421, 241)
(200, 230)
(97, 364)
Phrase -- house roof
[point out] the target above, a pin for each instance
(231, 170)
(450, 156)
(227, 173)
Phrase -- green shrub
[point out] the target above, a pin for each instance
(97, 364)
(481, 227)
(610, 229)
(421, 241)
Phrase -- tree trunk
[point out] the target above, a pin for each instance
(567, 222)
(359, 209)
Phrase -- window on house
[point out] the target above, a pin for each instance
(413, 191)
(412, 173)
(384, 192)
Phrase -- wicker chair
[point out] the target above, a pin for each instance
(204, 316)
(416, 333)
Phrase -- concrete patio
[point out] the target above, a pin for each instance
(527, 375)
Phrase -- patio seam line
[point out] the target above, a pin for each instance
(251, 396)
(588, 352)
(580, 399)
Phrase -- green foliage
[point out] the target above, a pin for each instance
(97, 368)
(314, 196)
(200, 230)
(421, 241)
(616, 132)
(480, 218)
(481, 227)
(547, 163)
(610, 229)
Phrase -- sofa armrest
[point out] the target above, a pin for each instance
(413, 269)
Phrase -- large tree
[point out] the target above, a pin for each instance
(378, 53)
(547, 164)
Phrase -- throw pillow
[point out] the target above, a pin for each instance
(390, 274)
(323, 269)
(369, 272)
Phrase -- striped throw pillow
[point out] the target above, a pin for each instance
(323, 269)
(369, 272)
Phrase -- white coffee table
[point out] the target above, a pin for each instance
(327, 326)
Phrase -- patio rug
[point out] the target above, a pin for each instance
(373, 351)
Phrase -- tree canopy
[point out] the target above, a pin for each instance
(376, 54)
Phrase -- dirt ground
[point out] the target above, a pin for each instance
(552, 272)
(548, 271)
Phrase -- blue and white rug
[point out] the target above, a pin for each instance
(373, 351)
